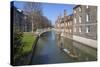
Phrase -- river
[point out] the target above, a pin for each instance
(48, 52)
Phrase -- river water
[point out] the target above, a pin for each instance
(48, 52)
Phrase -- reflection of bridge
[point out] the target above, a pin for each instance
(39, 32)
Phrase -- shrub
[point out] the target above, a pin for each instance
(17, 42)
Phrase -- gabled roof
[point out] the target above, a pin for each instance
(76, 6)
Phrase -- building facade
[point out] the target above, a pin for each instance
(20, 20)
(81, 26)
(64, 24)
(85, 21)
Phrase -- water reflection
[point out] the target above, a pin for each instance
(66, 45)
(51, 48)
(77, 50)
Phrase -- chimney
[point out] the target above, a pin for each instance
(65, 14)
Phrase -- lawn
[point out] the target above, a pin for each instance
(28, 41)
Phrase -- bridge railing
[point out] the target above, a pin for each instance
(40, 31)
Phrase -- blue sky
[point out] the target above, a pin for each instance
(51, 10)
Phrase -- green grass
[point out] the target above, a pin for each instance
(28, 41)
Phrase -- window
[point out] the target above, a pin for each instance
(80, 9)
(80, 29)
(74, 11)
(70, 22)
(87, 29)
(62, 24)
(59, 25)
(74, 20)
(87, 17)
(80, 19)
(66, 30)
(66, 24)
(70, 30)
(87, 6)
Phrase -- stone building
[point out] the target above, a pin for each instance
(58, 24)
(85, 21)
(69, 26)
(64, 24)
(82, 23)
(81, 26)
(19, 19)
(27, 24)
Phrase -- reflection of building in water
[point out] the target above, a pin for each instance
(64, 25)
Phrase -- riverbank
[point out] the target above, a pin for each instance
(48, 52)
(25, 53)
(88, 42)
(28, 40)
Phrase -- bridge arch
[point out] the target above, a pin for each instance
(42, 31)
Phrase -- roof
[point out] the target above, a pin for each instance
(76, 6)
(19, 10)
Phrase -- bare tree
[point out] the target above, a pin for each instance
(34, 12)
